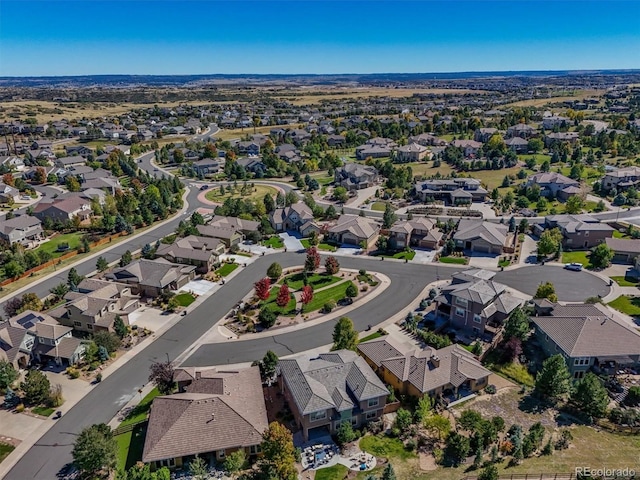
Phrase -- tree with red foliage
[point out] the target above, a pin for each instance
(283, 296)
(312, 261)
(512, 349)
(307, 294)
(262, 288)
(8, 179)
(40, 176)
(332, 266)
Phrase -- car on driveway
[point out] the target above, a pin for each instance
(576, 267)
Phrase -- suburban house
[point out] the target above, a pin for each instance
(560, 137)
(12, 162)
(330, 389)
(521, 130)
(579, 231)
(470, 148)
(228, 236)
(625, 250)
(239, 224)
(481, 236)
(376, 148)
(621, 178)
(417, 372)
(335, 140)
(63, 209)
(483, 135)
(551, 121)
(414, 152)
(215, 414)
(36, 336)
(95, 305)
(419, 232)
(354, 176)
(207, 166)
(249, 148)
(67, 162)
(555, 185)
(252, 164)
(297, 217)
(587, 336)
(475, 304)
(193, 250)
(149, 278)
(517, 144)
(451, 190)
(353, 230)
(75, 150)
(8, 194)
(22, 229)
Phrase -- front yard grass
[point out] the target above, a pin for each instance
(43, 411)
(185, 299)
(139, 412)
(335, 472)
(226, 269)
(454, 260)
(403, 255)
(626, 304)
(316, 280)
(321, 246)
(273, 242)
(504, 263)
(73, 239)
(579, 256)
(335, 293)
(6, 449)
(270, 303)
(130, 446)
(374, 335)
(378, 206)
(625, 281)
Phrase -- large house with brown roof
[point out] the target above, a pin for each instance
(193, 250)
(355, 176)
(481, 236)
(149, 278)
(330, 389)
(353, 230)
(587, 336)
(579, 231)
(22, 229)
(215, 414)
(297, 217)
(555, 185)
(95, 305)
(625, 250)
(63, 209)
(417, 372)
(420, 232)
(475, 304)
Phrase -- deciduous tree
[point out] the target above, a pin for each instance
(8, 374)
(546, 290)
(95, 450)
(389, 217)
(262, 288)
(331, 265)
(517, 325)
(274, 271)
(161, 374)
(601, 256)
(284, 296)
(307, 294)
(278, 453)
(312, 262)
(344, 335)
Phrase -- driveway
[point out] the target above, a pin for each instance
(348, 250)
(424, 256)
(291, 241)
(255, 248)
(488, 261)
(528, 251)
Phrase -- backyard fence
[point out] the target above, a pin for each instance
(532, 476)
(127, 428)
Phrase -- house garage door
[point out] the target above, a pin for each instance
(481, 248)
(350, 239)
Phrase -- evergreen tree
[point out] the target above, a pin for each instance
(553, 380)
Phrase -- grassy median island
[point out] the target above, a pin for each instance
(335, 293)
(316, 280)
(257, 193)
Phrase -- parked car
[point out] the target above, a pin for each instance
(576, 267)
(204, 187)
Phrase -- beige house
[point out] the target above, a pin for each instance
(149, 278)
(354, 230)
(202, 252)
(327, 390)
(421, 232)
(417, 372)
(215, 414)
(481, 236)
(414, 152)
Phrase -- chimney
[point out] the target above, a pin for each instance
(435, 361)
(198, 375)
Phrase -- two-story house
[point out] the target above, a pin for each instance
(149, 278)
(414, 152)
(417, 372)
(579, 231)
(22, 229)
(202, 252)
(330, 389)
(421, 232)
(355, 176)
(470, 148)
(588, 336)
(451, 190)
(475, 304)
(621, 179)
(554, 185)
(297, 217)
(64, 209)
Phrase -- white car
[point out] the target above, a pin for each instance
(576, 267)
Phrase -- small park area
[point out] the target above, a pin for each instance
(244, 191)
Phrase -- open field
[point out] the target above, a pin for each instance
(538, 102)
(229, 134)
(258, 193)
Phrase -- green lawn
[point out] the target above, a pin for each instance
(140, 411)
(226, 269)
(334, 293)
(399, 255)
(579, 256)
(321, 246)
(256, 194)
(625, 281)
(504, 263)
(386, 447)
(316, 280)
(378, 206)
(273, 242)
(373, 336)
(43, 411)
(130, 446)
(271, 304)
(6, 449)
(336, 472)
(626, 304)
(185, 299)
(454, 260)
(73, 239)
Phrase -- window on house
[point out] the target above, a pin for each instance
(373, 402)
(170, 462)
(354, 421)
(77, 324)
(578, 375)
(371, 415)
(315, 416)
(254, 449)
(477, 318)
(461, 301)
(89, 326)
(460, 311)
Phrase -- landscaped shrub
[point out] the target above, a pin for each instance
(73, 373)
(328, 307)
(491, 389)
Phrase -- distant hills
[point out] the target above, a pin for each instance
(119, 81)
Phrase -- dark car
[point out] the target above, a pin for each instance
(204, 187)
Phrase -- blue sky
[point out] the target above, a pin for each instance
(322, 36)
